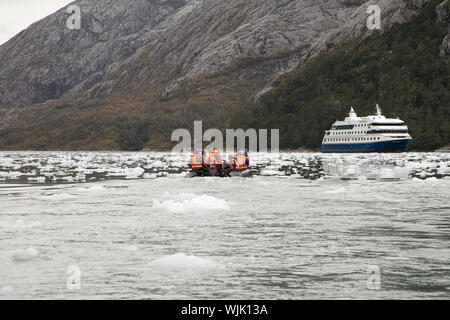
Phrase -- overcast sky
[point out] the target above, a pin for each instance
(17, 15)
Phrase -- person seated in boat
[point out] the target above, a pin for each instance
(242, 161)
(196, 162)
(232, 162)
(231, 165)
(247, 160)
(214, 158)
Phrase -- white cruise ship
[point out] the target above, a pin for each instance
(374, 133)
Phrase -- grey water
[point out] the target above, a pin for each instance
(306, 226)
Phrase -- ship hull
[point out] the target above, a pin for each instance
(382, 146)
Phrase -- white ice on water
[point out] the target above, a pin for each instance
(78, 167)
(190, 203)
(58, 197)
(6, 290)
(19, 224)
(182, 261)
(92, 188)
(25, 254)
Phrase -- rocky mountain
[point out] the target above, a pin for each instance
(443, 16)
(138, 68)
(404, 69)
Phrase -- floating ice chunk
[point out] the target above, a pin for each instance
(303, 161)
(93, 188)
(177, 175)
(6, 290)
(59, 197)
(190, 203)
(156, 164)
(19, 224)
(13, 175)
(25, 254)
(181, 261)
(36, 179)
(268, 172)
(443, 171)
(134, 173)
(130, 248)
(6, 162)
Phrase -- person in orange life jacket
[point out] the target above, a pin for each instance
(230, 166)
(214, 158)
(196, 162)
(232, 163)
(242, 161)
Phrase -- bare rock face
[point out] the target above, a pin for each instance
(168, 41)
(184, 38)
(47, 60)
(443, 13)
(445, 47)
(392, 11)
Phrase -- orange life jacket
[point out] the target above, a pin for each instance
(241, 163)
(232, 164)
(215, 158)
(196, 161)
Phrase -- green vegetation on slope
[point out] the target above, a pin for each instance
(137, 115)
(401, 70)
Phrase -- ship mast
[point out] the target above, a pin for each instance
(352, 113)
(378, 110)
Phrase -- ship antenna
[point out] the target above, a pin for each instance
(378, 110)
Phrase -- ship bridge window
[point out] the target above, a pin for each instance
(344, 127)
(386, 131)
(387, 124)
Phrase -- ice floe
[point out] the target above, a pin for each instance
(269, 172)
(19, 224)
(6, 290)
(190, 203)
(92, 188)
(129, 248)
(182, 261)
(58, 197)
(25, 254)
(79, 167)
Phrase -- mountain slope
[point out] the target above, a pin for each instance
(138, 69)
(404, 70)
